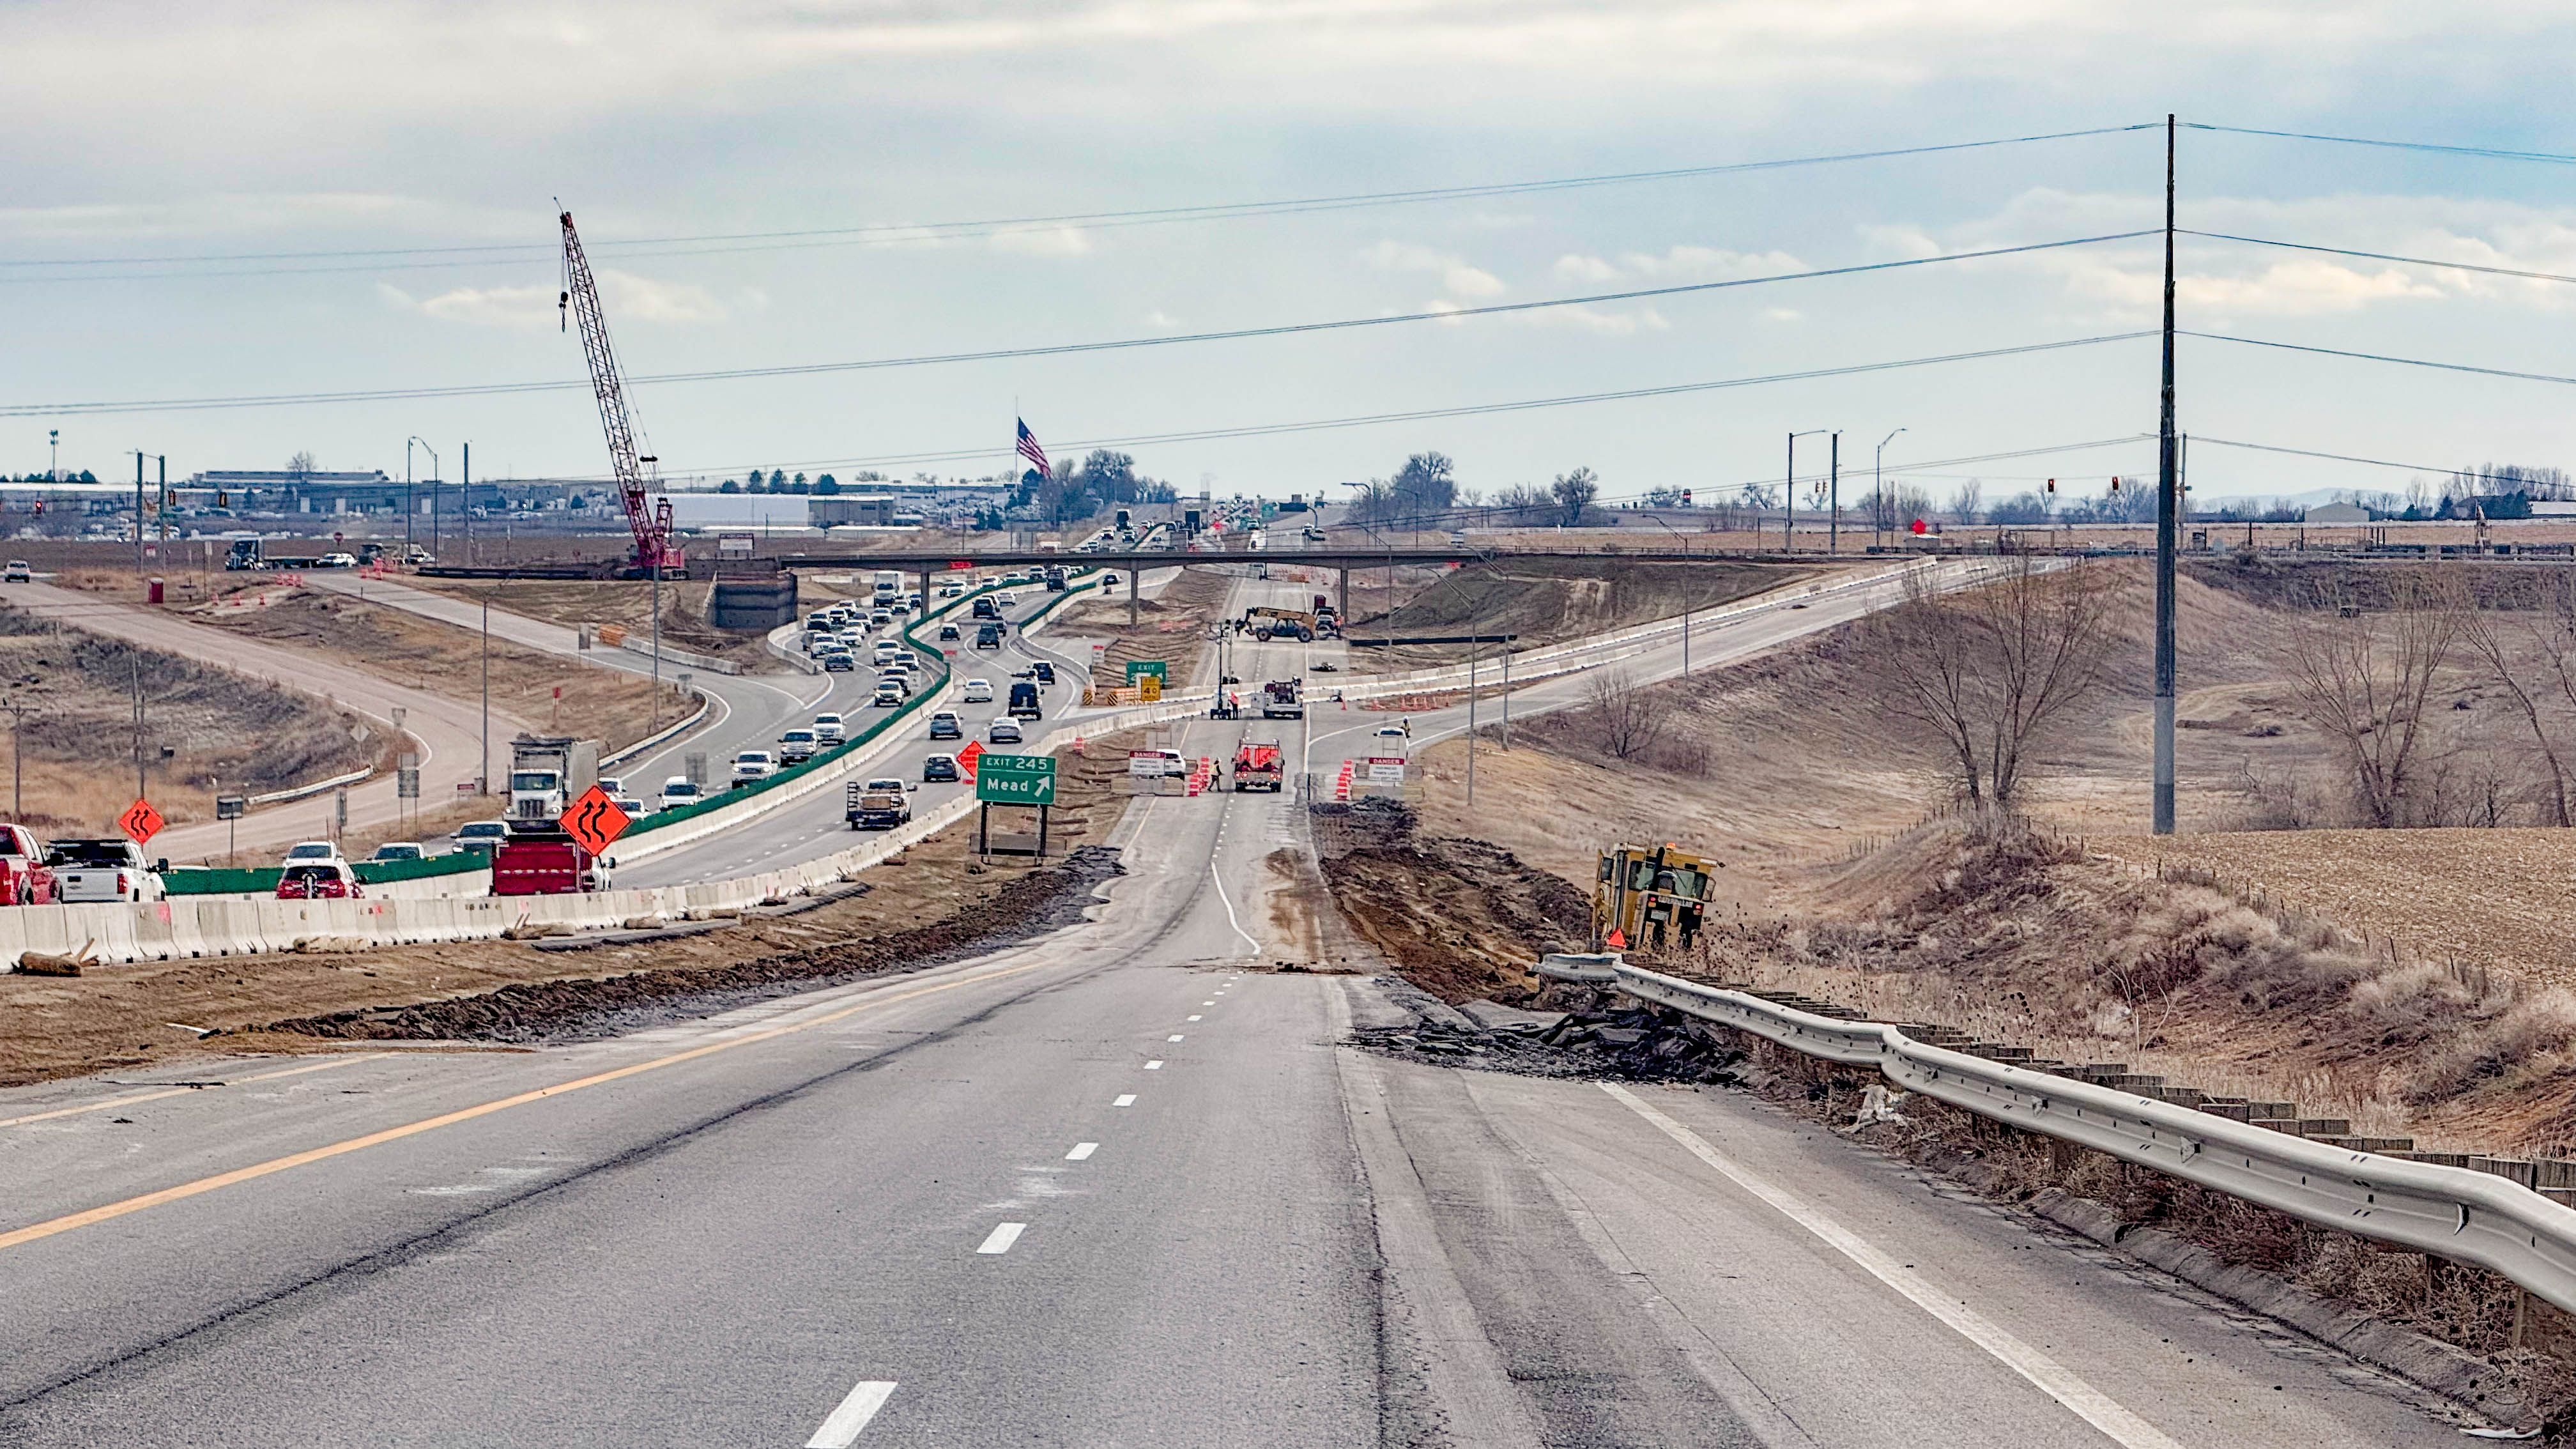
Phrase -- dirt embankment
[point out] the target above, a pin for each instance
(1547, 601)
(1172, 626)
(935, 897)
(547, 690)
(1459, 918)
(78, 735)
(626, 604)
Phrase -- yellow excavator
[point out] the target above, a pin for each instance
(1644, 896)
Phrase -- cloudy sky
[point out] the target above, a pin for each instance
(226, 200)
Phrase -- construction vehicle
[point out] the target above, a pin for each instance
(542, 860)
(251, 554)
(1266, 623)
(547, 774)
(1258, 766)
(1644, 895)
(655, 556)
(1279, 700)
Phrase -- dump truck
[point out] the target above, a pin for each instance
(545, 862)
(871, 806)
(1279, 700)
(1258, 765)
(1644, 895)
(548, 773)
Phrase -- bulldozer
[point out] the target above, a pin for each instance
(1647, 896)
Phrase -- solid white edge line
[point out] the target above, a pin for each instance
(1228, 902)
(1082, 1151)
(2044, 1373)
(841, 1427)
(1000, 1239)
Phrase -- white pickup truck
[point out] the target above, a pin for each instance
(103, 870)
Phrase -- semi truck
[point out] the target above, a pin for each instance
(548, 773)
(1279, 700)
(1257, 766)
(546, 862)
(252, 553)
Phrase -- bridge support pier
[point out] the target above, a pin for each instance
(1345, 572)
(1132, 573)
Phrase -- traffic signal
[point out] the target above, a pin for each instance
(1686, 498)
(2052, 487)
(2115, 485)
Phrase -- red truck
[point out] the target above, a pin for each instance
(544, 863)
(25, 879)
(1257, 766)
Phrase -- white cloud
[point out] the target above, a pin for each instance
(1050, 241)
(1783, 314)
(1161, 321)
(1455, 273)
(627, 296)
(1678, 264)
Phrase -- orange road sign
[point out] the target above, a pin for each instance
(967, 757)
(140, 822)
(594, 820)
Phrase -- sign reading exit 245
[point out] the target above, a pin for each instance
(1015, 779)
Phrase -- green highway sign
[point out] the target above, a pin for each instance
(1139, 668)
(1015, 779)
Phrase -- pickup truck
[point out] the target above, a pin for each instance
(1024, 702)
(546, 863)
(1279, 700)
(869, 806)
(1257, 767)
(25, 879)
(102, 870)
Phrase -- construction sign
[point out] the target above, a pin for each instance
(594, 820)
(140, 822)
(967, 757)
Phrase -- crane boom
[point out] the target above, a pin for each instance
(651, 525)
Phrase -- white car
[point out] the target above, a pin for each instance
(336, 561)
(611, 786)
(1003, 731)
(888, 696)
(976, 691)
(753, 765)
(633, 808)
(20, 572)
(680, 790)
(312, 850)
(830, 729)
(1005, 599)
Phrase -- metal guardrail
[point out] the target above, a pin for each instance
(2453, 1212)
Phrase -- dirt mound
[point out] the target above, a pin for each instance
(1459, 918)
(1030, 904)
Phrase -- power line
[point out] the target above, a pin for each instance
(2312, 453)
(896, 232)
(2489, 152)
(2379, 256)
(1013, 353)
(2379, 357)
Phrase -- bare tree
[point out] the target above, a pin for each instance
(1575, 492)
(1965, 504)
(2364, 681)
(301, 465)
(2485, 635)
(1628, 720)
(1989, 671)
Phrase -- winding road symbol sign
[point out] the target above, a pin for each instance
(594, 820)
(140, 822)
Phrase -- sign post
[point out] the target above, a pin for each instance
(229, 808)
(594, 821)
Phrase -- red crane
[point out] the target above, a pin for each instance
(650, 520)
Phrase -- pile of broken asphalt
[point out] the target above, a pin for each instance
(1583, 1033)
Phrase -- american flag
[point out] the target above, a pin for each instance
(1030, 450)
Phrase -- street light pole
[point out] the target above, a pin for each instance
(483, 783)
(1789, 486)
(1882, 517)
(2168, 503)
(433, 487)
(1834, 499)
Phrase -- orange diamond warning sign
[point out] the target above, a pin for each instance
(967, 757)
(594, 820)
(140, 822)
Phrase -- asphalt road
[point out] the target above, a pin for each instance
(449, 730)
(1115, 1187)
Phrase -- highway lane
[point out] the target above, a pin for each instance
(449, 730)
(816, 825)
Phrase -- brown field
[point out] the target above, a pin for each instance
(628, 604)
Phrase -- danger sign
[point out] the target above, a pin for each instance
(967, 757)
(140, 822)
(594, 820)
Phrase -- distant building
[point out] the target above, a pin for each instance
(2338, 513)
(871, 509)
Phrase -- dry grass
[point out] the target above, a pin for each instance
(629, 604)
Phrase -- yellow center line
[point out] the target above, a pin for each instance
(184, 1091)
(92, 1216)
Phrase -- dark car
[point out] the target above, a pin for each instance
(938, 767)
(988, 637)
(1045, 672)
(947, 632)
(944, 726)
(840, 663)
(985, 608)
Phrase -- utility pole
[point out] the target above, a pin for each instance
(465, 475)
(433, 486)
(161, 463)
(18, 711)
(1834, 499)
(54, 455)
(138, 516)
(1789, 485)
(2167, 504)
(1882, 516)
(483, 782)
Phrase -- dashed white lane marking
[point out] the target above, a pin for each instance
(1197, 1018)
(1081, 1151)
(2046, 1374)
(1211, 1003)
(1002, 1236)
(1125, 1099)
(841, 1427)
(1154, 1066)
(1174, 1037)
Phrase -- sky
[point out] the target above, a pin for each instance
(173, 172)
